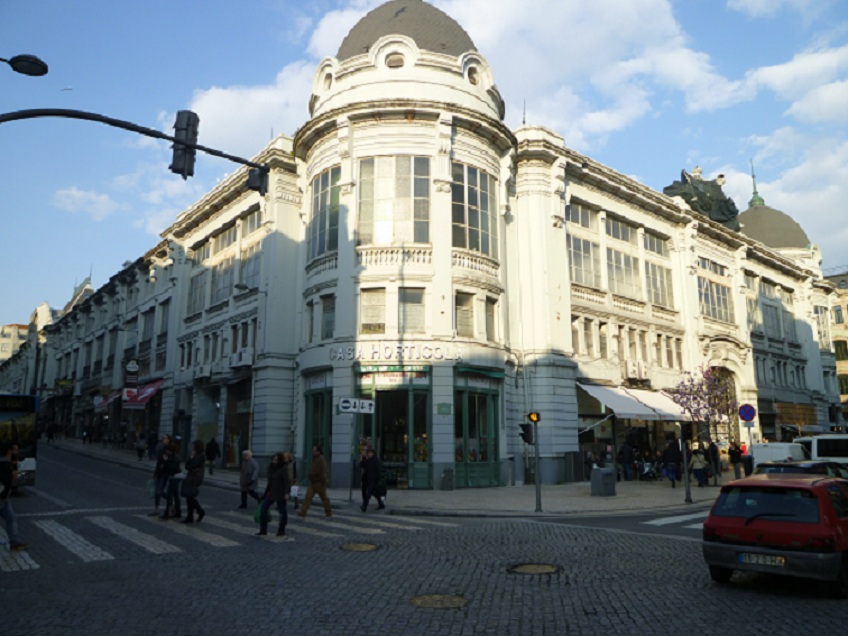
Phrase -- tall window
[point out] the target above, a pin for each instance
(620, 230)
(491, 308)
(838, 318)
(655, 244)
(323, 228)
(771, 321)
(394, 200)
(584, 259)
(328, 317)
(222, 280)
(623, 273)
(715, 300)
(224, 239)
(658, 285)
(373, 311)
(196, 293)
(755, 320)
(411, 310)
(581, 215)
(251, 222)
(464, 317)
(841, 347)
(249, 263)
(823, 327)
(474, 210)
(310, 321)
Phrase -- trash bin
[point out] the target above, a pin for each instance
(603, 482)
(448, 481)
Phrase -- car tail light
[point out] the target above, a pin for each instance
(821, 544)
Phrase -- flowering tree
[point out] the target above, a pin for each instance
(709, 396)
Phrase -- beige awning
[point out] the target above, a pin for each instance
(636, 404)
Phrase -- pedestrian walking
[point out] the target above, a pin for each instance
(276, 492)
(698, 465)
(713, 458)
(248, 477)
(8, 475)
(371, 472)
(317, 483)
(213, 452)
(734, 454)
(171, 470)
(190, 487)
(671, 459)
(160, 478)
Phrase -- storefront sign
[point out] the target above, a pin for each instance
(394, 378)
(399, 352)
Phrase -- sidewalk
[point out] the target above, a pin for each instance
(557, 500)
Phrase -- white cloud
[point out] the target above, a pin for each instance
(804, 72)
(97, 206)
(826, 103)
(770, 8)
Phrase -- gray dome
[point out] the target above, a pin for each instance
(432, 29)
(772, 227)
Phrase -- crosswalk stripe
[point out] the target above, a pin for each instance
(289, 527)
(15, 561)
(54, 500)
(343, 526)
(73, 542)
(195, 533)
(695, 526)
(379, 522)
(664, 521)
(142, 540)
(426, 522)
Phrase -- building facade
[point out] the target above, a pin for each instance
(419, 277)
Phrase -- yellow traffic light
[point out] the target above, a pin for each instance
(533, 416)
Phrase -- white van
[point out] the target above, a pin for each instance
(829, 447)
(778, 452)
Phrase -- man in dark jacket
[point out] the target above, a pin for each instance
(672, 458)
(213, 452)
(371, 470)
(8, 474)
(317, 483)
(277, 491)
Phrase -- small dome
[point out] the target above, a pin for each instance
(772, 227)
(432, 29)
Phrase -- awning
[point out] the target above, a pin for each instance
(102, 404)
(138, 398)
(636, 404)
(667, 409)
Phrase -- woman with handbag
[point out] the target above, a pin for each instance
(190, 487)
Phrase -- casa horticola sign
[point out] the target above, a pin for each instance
(397, 351)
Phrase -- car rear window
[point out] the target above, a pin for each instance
(780, 504)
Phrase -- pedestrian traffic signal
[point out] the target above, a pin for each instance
(527, 433)
(533, 416)
(185, 131)
(257, 179)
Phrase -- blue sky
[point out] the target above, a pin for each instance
(647, 88)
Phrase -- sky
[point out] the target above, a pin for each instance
(647, 87)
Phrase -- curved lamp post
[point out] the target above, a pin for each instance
(27, 65)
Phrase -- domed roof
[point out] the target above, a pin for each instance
(431, 29)
(772, 227)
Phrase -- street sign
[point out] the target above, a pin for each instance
(747, 412)
(355, 405)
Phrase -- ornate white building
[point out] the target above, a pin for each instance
(416, 253)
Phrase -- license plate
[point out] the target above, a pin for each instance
(761, 559)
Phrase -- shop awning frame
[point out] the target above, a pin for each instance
(636, 404)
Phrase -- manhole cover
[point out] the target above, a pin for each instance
(359, 547)
(439, 601)
(534, 568)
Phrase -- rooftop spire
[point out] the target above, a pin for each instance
(756, 199)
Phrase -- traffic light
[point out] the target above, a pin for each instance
(257, 179)
(185, 130)
(527, 433)
(533, 416)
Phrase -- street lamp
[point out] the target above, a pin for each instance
(27, 65)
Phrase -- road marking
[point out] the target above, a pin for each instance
(73, 542)
(142, 540)
(194, 532)
(695, 526)
(378, 522)
(664, 521)
(426, 522)
(14, 561)
(252, 529)
(342, 526)
(81, 511)
(54, 500)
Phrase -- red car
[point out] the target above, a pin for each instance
(794, 525)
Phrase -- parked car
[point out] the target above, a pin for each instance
(793, 525)
(831, 469)
(828, 447)
(778, 452)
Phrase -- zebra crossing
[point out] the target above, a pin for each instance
(681, 520)
(83, 535)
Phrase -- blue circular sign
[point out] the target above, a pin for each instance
(747, 412)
